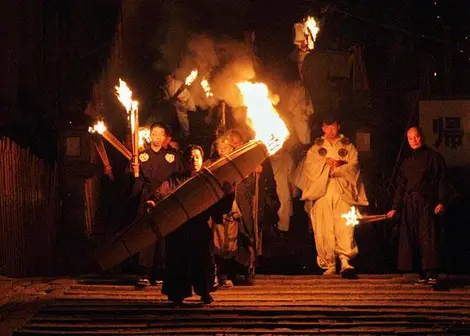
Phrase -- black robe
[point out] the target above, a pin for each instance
(422, 185)
(188, 253)
(268, 206)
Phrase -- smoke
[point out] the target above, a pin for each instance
(222, 61)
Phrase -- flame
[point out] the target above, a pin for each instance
(207, 88)
(311, 30)
(352, 217)
(124, 94)
(190, 79)
(144, 136)
(265, 121)
(99, 128)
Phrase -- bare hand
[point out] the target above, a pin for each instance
(134, 167)
(331, 162)
(391, 214)
(439, 209)
(259, 169)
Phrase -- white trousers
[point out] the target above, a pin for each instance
(333, 238)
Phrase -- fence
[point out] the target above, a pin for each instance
(29, 211)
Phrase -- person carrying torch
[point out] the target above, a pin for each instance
(330, 182)
(156, 164)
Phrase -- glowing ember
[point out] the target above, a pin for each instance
(99, 128)
(190, 79)
(144, 137)
(265, 121)
(311, 30)
(351, 217)
(207, 88)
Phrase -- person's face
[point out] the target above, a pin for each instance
(414, 138)
(158, 136)
(236, 141)
(195, 162)
(224, 148)
(331, 131)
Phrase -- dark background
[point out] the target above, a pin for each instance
(53, 51)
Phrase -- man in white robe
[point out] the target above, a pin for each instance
(330, 179)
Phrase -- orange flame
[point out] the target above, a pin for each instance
(99, 128)
(265, 121)
(124, 94)
(207, 89)
(191, 77)
(352, 217)
(311, 30)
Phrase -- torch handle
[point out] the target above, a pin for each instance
(178, 92)
(117, 144)
(135, 148)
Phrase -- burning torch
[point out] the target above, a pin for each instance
(207, 187)
(353, 217)
(187, 82)
(101, 129)
(124, 95)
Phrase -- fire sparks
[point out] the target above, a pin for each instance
(190, 79)
(99, 128)
(351, 217)
(265, 121)
(207, 88)
(311, 30)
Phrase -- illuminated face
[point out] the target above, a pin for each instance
(331, 131)
(158, 136)
(414, 138)
(196, 160)
(224, 148)
(236, 141)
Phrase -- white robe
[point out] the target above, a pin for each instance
(331, 196)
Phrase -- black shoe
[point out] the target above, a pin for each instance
(207, 299)
(175, 301)
(349, 273)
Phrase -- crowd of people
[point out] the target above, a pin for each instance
(222, 246)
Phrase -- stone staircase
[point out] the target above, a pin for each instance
(275, 305)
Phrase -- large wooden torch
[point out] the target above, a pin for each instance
(188, 200)
(124, 94)
(207, 187)
(187, 82)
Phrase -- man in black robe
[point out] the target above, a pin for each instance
(421, 195)
(188, 258)
(157, 163)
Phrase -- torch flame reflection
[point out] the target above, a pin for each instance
(265, 121)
